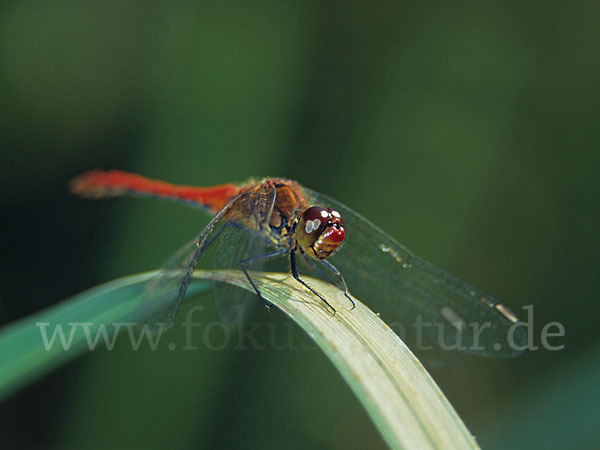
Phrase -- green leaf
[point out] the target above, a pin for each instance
(402, 399)
(23, 355)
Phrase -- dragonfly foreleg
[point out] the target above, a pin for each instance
(334, 269)
(294, 267)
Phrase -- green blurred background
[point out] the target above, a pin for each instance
(469, 131)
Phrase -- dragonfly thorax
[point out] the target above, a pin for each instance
(320, 231)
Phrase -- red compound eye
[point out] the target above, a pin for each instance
(320, 231)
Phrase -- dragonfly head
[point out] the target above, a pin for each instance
(320, 231)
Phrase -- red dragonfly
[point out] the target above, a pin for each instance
(262, 220)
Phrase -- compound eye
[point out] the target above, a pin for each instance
(320, 231)
(313, 220)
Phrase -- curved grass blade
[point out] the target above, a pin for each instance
(403, 401)
(23, 355)
(401, 398)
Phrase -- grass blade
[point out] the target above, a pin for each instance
(399, 395)
(402, 399)
(23, 355)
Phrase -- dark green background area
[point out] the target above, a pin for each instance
(469, 132)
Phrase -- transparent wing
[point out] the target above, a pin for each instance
(433, 307)
(165, 292)
(235, 242)
(234, 245)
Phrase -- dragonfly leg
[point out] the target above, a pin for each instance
(331, 268)
(334, 269)
(294, 266)
(258, 258)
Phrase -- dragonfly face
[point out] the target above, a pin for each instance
(320, 231)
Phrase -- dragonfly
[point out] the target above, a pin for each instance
(277, 218)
